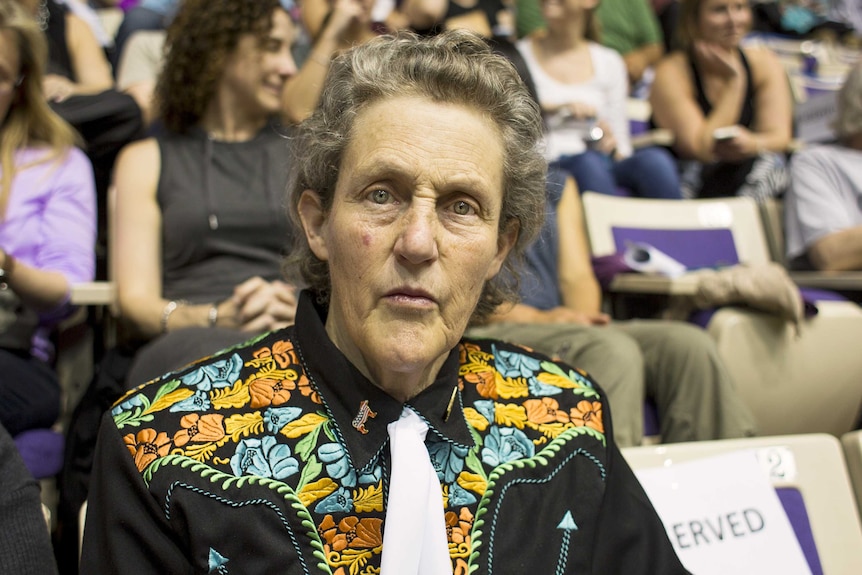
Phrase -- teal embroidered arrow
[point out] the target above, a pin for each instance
(567, 524)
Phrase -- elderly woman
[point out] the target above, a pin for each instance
(370, 436)
(47, 225)
(823, 216)
(727, 105)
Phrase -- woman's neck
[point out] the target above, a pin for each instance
(228, 124)
(564, 37)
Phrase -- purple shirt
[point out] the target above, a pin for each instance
(50, 224)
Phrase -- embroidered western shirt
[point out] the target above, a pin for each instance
(273, 457)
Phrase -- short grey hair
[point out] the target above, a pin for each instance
(453, 67)
(848, 121)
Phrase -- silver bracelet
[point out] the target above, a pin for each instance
(212, 315)
(166, 313)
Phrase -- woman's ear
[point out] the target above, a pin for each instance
(313, 218)
(505, 242)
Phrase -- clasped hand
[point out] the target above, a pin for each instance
(258, 305)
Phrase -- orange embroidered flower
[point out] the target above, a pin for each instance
(284, 354)
(485, 383)
(306, 389)
(147, 446)
(351, 532)
(458, 527)
(210, 427)
(262, 353)
(365, 533)
(467, 348)
(588, 413)
(268, 391)
(545, 410)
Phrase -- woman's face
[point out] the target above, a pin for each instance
(724, 22)
(411, 236)
(9, 70)
(256, 72)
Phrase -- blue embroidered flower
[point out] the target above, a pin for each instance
(340, 501)
(485, 407)
(514, 364)
(277, 417)
(128, 405)
(542, 389)
(337, 465)
(506, 444)
(263, 457)
(370, 477)
(458, 496)
(447, 459)
(200, 401)
(221, 373)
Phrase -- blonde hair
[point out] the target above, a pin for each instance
(29, 120)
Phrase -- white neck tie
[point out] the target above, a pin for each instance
(414, 532)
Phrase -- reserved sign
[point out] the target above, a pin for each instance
(723, 516)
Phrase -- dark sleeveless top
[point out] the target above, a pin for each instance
(224, 216)
(722, 179)
(746, 115)
(59, 61)
(540, 280)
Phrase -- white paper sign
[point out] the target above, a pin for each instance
(723, 516)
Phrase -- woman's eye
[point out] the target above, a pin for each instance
(462, 208)
(380, 196)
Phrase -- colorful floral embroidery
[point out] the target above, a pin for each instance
(263, 417)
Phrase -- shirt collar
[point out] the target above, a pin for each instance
(359, 409)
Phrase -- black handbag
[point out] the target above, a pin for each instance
(18, 323)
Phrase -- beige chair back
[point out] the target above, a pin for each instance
(819, 474)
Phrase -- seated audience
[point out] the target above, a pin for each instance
(25, 546)
(582, 88)
(79, 87)
(727, 105)
(628, 26)
(823, 213)
(487, 18)
(77, 63)
(47, 232)
(200, 227)
(673, 364)
(347, 23)
(371, 436)
(146, 15)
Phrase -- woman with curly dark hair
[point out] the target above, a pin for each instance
(199, 224)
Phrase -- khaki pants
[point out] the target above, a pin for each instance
(673, 363)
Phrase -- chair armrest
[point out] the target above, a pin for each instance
(657, 137)
(634, 283)
(849, 281)
(94, 293)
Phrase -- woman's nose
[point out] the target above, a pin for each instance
(417, 241)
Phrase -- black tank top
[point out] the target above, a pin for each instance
(59, 61)
(746, 115)
(224, 216)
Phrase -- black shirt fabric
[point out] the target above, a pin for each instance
(223, 212)
(273, 457)
(722, 179)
